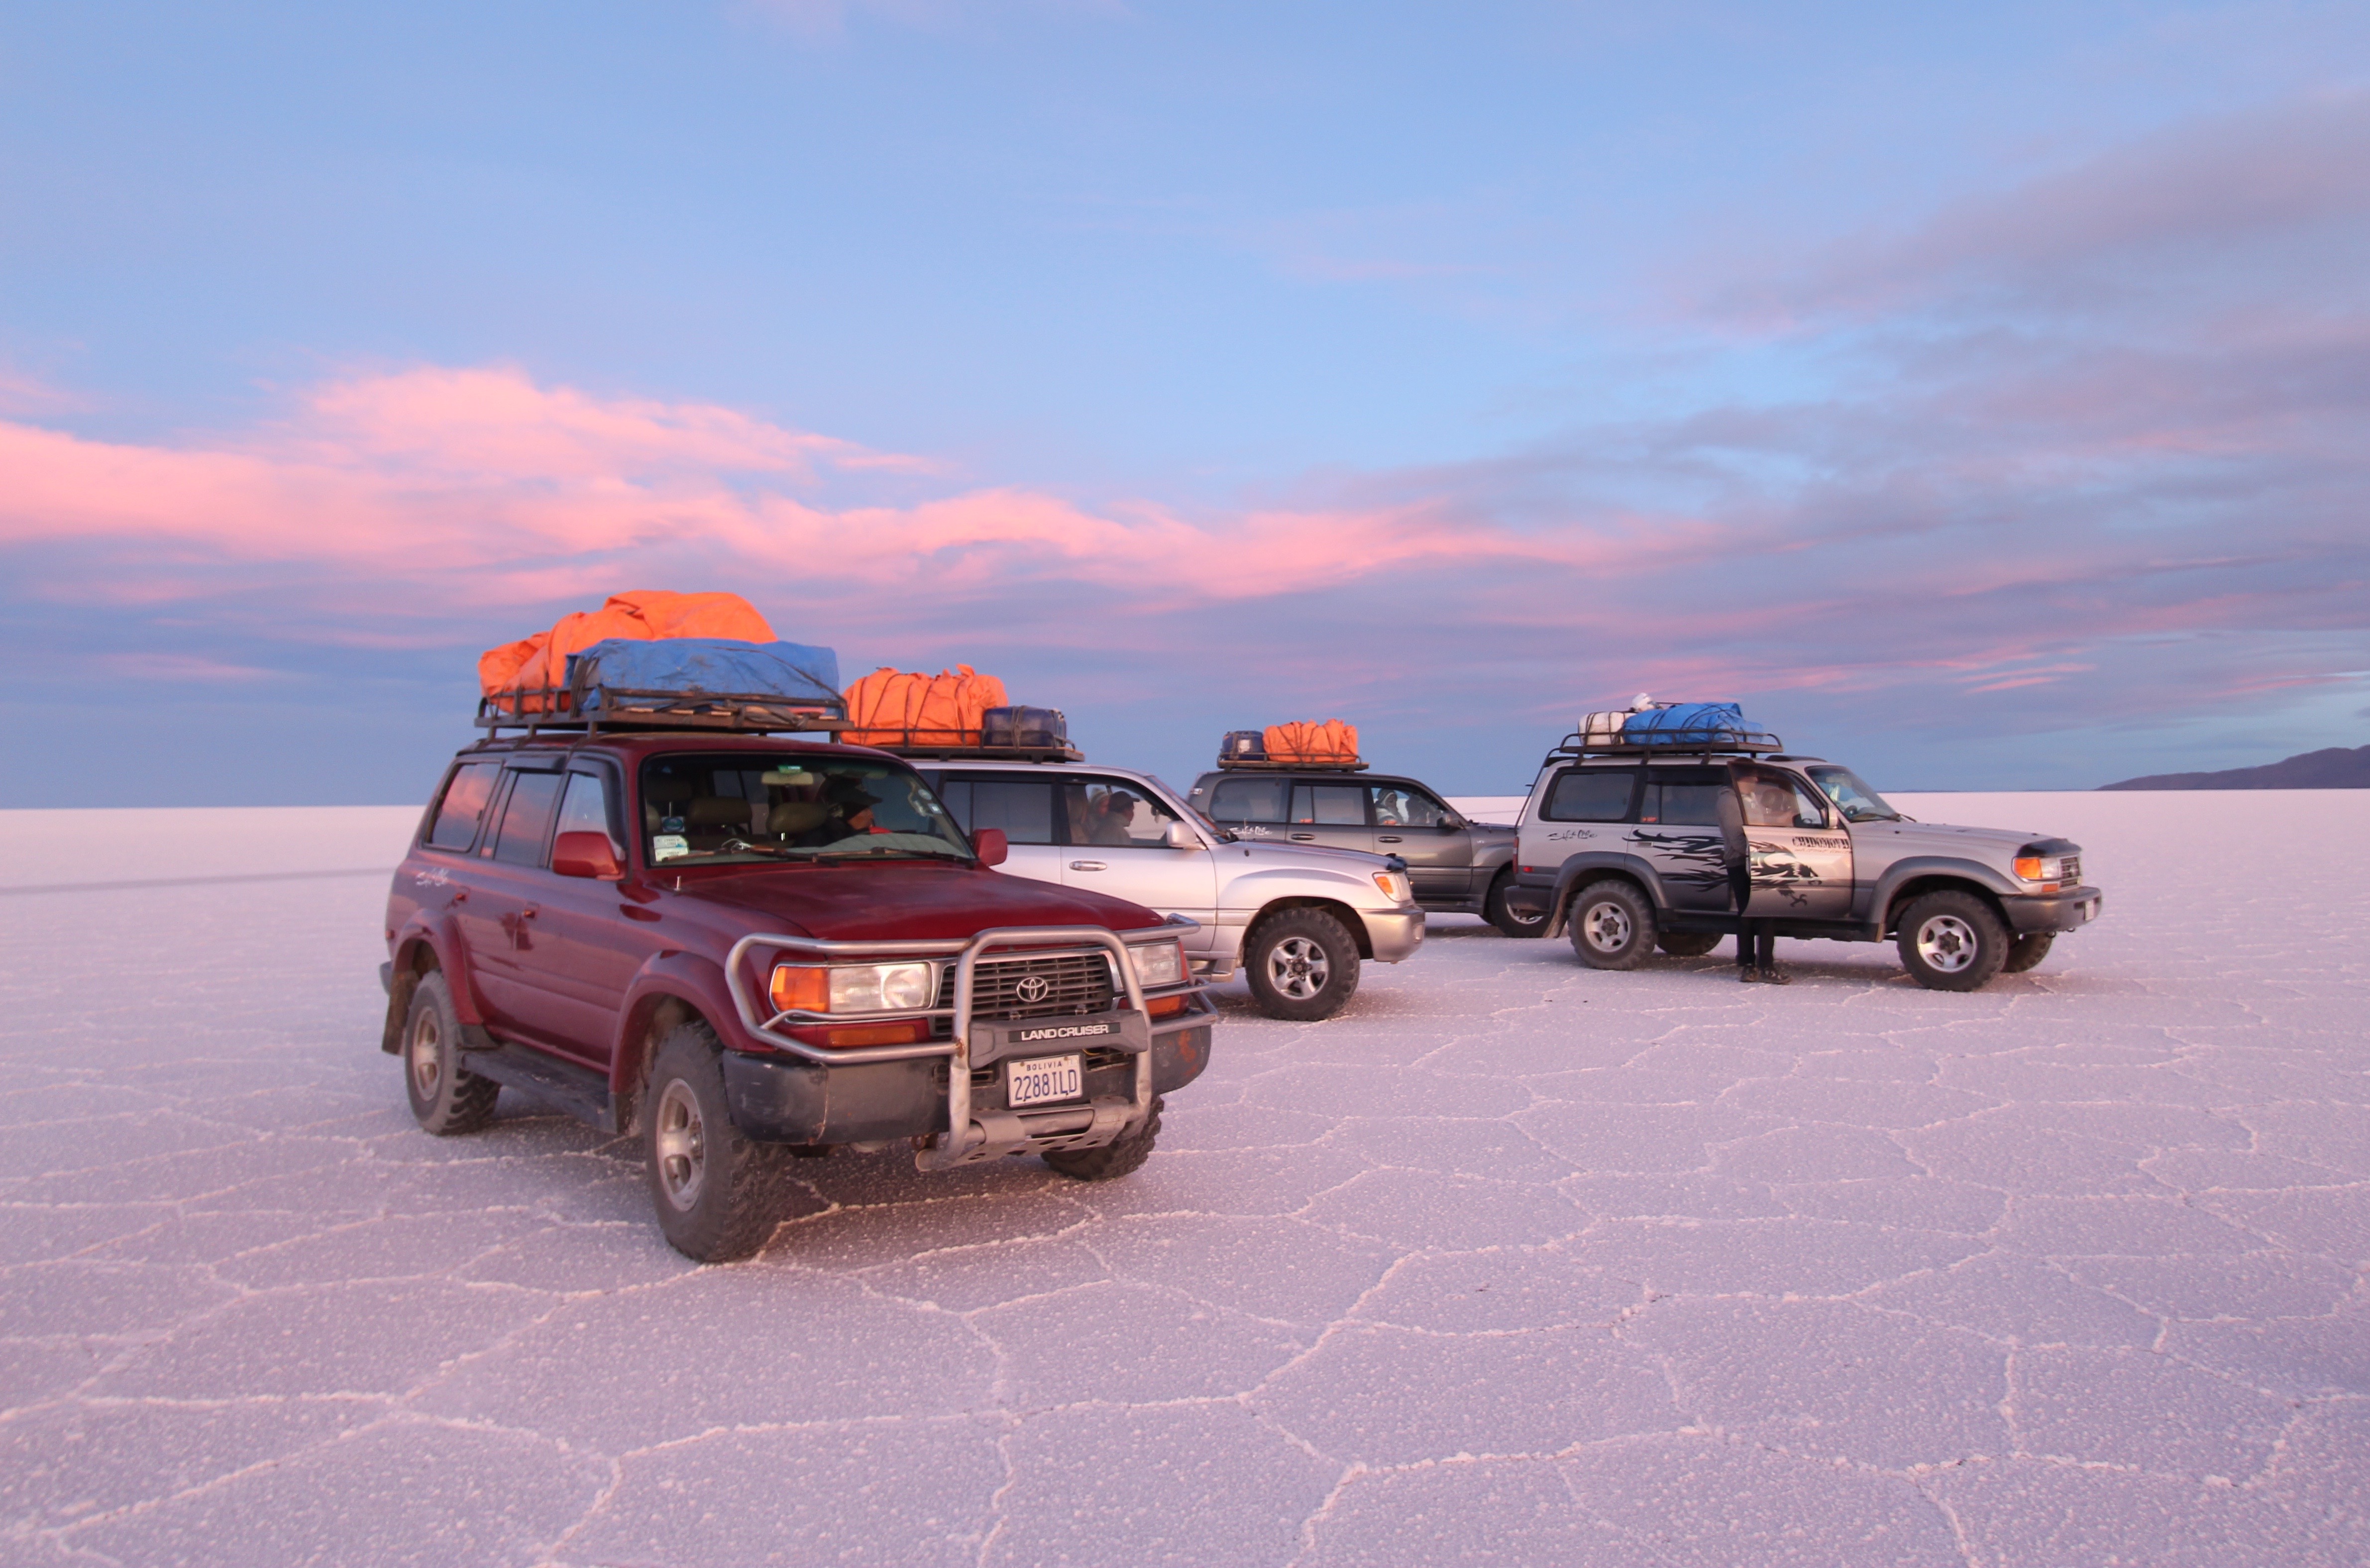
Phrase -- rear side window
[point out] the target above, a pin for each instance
(1328, 806)
(526, 818)
(1686, 797)
(1590, 795)
(1023, 808)
(1250, 800)
(1404, 806)
(463, 805)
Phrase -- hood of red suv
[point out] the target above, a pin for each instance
(907, 901)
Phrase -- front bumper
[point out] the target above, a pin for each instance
(787, 1099)
(1395, 935)
(2033, 913)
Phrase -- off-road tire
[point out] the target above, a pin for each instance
(1612, 924)
(717, 1192)
(2027, 952)
(1302, 965)
(1951, 941)
(1122, 1156)
(1686, 944)
(447, 1098)
(1495, 911)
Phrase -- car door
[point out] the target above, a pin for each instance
(499, 920)
(1678, 834)
(579, 951)
(1417, 825)
(1118, 844)
(1326, 811)
(1021, 804)
(1801, 856)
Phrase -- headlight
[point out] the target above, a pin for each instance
(863, 987)
(2040, 868)
(1394, 885)
(1158, 964)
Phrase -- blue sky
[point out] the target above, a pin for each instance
(1974, 393)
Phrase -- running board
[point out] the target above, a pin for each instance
(564, 1086)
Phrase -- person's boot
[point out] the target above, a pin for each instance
(1771, 975)
(1748, 975)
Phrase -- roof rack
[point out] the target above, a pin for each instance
(965, 746)
(615, 708)
(1685, 743)
(1266, 765)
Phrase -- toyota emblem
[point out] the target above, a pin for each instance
(1035, 988)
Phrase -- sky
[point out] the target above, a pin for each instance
(1976, 393)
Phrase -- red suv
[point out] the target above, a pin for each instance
(746, 949)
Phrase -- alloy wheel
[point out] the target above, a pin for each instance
(1607, 926)
(427, 1058)
(1298, 968)
(681, 1143)
(1946, 944)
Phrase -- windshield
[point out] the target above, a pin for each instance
(749, 806)
(1854, 799)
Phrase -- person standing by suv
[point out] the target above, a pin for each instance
(1761, 803)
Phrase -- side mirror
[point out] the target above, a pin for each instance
(1181, 837)
(586, 854)
(992, 847)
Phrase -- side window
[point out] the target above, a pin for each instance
(585, 810)
(1328, 806)
(464, 802)
(1404, 806)
(1022, 807)
(1249, 800)
(1590, 795)
(526, 818)
(1774, 799)
(1111, 814)
(956, 796)
(1683, 797)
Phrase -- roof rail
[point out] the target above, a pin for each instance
(965, 746)
(1267, 765)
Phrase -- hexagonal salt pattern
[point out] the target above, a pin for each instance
(1515, 1263)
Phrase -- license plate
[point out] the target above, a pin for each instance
(1041, 1079)
(2090, 911)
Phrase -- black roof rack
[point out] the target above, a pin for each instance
(1264, 766)
(967, 746)
(1700, 743)
(618, 709)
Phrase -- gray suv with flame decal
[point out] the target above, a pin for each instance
(1621, 849)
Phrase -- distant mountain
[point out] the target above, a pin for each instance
(2334, 768)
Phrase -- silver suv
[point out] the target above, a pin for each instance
(1456, 865)
(1296, 918)
(1621, 847)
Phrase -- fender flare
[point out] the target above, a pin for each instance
(1919, 867)
(687, 978)
(1581, 867)
(440, 934)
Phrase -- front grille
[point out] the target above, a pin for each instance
(1075, 983)
(2072, 872)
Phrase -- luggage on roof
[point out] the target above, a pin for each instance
(956, 713)
(1302, 744)
(665, 660)
(1028, 729)
(1687, 724)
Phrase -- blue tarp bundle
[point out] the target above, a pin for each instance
(1687, 724)
(711, 666)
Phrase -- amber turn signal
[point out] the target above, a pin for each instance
(875, 1033)
(800, 988)
(1165, 1006)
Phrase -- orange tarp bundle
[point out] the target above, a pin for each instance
(1332, 741)
(896, 707)
(540, 662)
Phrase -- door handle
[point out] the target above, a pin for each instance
(1087, 865)
(1386, 838)
(1304, 837)
(530, 911)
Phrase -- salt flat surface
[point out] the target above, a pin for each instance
(1513, 1263)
